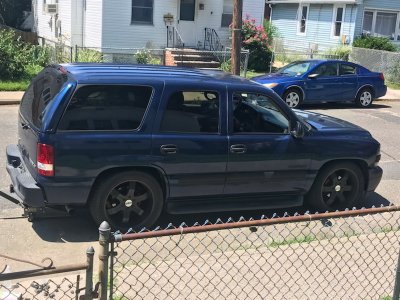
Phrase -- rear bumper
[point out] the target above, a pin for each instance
(381, 91)
(24, 184)
(375, 176)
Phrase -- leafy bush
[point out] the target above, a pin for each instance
(145, 57)
(226, 66)
(373, 42)
(258, 40)
(89, 55)
(341, 52)
(14, 56)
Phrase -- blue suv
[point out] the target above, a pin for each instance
(132, 141)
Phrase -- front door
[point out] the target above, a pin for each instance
(264, 158)
(187, 22)
(326, 86)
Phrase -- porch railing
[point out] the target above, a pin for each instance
(174, 39)
(212, 41)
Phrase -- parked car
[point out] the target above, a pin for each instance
(131, 141)
(317, 81)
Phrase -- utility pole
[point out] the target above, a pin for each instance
(236, 36)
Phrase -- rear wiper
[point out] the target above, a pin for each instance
(25, 125)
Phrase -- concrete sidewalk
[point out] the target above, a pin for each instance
(7, 98)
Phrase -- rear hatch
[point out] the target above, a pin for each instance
(38, 96)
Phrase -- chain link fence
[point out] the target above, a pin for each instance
(384, 62)
(287, 51)
(69, 283)
(343, 255)
(62, 288)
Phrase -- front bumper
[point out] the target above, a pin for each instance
(24, 184)
(375, 176)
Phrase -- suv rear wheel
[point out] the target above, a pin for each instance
(127, 200)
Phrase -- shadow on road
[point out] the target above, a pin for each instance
(329, 106)
(80, 227)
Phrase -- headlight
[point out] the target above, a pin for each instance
(270, 85)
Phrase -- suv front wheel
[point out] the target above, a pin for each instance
(127, 200)
(338, 186)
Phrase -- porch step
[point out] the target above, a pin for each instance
(192, 58)
(198, 64)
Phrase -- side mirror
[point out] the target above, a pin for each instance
(313, 76)
(298, 131)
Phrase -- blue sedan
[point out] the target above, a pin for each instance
(316, 81)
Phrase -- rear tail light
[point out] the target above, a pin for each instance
(45, 159)
(381, 76)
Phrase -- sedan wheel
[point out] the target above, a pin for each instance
(293, 98)
(337, 186)
(364, 98)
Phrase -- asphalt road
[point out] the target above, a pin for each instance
(67, 238)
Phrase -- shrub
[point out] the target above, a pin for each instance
(373, 42)
(341, 52)
(14, 56)
(258, 40)
(89, 55)
(226, 66)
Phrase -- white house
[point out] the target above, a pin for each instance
(137, 23)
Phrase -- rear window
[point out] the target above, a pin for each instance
(106, 107)
(40, 93)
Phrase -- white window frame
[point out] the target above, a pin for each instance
(335, 9)
(375, 12)
(299, 18)
(47, 2)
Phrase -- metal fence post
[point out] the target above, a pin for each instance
(89, 274)
(396, 292)
(104, 240)
(76, 53)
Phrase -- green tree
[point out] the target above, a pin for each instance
(11, 11)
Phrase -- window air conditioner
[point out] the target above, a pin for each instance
(51, 8)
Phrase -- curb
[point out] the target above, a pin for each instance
(9, 102)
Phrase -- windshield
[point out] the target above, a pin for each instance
(297, 68)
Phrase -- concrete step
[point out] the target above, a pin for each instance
(198, 64)
(194, 57)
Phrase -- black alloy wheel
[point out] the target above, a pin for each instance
(337, 186)
(127, 200)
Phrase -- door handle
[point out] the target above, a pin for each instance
(168, 149)
(238, 149)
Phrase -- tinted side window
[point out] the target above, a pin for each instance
(191, 112)
(347, 69)
(256, 113)
(106, 107)
(40, 93)
(326, 70)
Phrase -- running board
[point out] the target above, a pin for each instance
(183, 206)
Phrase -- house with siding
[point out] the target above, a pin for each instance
(138, 23)
(321, 24)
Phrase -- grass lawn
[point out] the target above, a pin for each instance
(251, 73)
(8, 86)
(395, 86)
(21, 84)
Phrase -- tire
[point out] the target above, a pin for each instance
(293, 98)
(364, 98)
(337, 186)
(127, 200)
